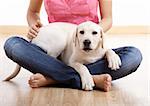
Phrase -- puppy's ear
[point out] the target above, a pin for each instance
(75, 37)
(103, 38)
(101, 43)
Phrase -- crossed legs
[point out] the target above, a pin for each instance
(37, 61)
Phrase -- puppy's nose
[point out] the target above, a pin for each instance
(87, 42)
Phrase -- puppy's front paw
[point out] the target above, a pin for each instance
(114, 61)
(87, 82)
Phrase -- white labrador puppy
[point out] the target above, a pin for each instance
(79, 45)
(87, 46)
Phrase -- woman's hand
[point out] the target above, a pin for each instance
(34, 29)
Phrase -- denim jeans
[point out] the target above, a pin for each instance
(34, 59)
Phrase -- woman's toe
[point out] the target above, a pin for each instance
(34, 85)
(36, 76)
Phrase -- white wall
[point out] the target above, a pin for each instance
(131, 12)
(125, 12)
(13, 12)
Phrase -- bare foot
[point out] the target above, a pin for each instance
(103, 81)
(38, 80)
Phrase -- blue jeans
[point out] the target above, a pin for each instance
(34, 59)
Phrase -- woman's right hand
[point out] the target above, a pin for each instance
(34, 29)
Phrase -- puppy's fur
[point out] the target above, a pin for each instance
(78, 53)
(78, 45)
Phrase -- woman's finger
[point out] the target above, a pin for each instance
(39, 24)
(31, 35)
(33, 32)
(35, 28)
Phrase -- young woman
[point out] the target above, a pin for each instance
(48, 70)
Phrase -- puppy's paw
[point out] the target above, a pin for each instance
(114, 61)
(87, 82)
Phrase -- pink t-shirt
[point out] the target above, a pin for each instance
(72, 11)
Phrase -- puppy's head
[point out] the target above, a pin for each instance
(89, 36)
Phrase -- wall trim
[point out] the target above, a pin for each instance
(115, 30)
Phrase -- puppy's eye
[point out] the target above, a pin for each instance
(94, 32)
(81, 32)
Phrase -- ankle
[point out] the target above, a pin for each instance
(51, 80)
(95, 79)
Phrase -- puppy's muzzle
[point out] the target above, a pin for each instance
(87, 44)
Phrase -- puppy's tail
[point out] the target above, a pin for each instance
(14, 74)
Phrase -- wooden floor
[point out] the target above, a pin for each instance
(132, 90)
